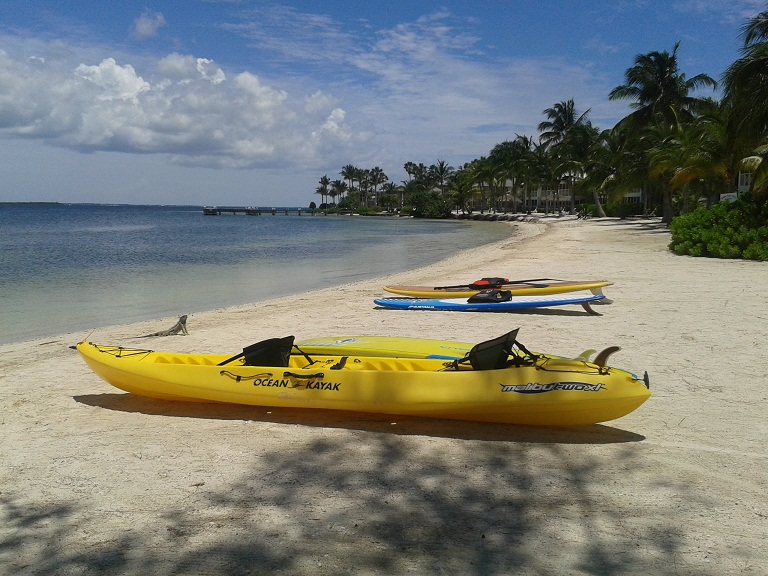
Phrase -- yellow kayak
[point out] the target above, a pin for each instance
(498, 381)
(533, 287)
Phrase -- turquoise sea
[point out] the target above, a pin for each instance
(71, 267)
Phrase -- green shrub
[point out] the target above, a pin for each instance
(428, 205)
(726, 230)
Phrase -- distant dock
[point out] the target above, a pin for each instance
(248, 210)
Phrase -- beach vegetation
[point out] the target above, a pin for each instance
(429, 204)
(726, 230)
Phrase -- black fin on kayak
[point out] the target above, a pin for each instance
(602, 358)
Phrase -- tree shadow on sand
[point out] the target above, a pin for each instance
(369, 502)
(379, 423)
(652, 226)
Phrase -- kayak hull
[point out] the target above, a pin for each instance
(554, 392)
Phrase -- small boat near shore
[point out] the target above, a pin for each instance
(498, 381)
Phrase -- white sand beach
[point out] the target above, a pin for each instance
(97, 481)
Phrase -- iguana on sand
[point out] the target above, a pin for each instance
(179, 328)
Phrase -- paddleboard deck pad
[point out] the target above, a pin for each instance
(514, 303)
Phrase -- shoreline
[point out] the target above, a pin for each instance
(522, 232)
(36, 312)
(98, 480)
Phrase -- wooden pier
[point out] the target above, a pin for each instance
(249, 210)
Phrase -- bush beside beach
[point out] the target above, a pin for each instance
(727, 230)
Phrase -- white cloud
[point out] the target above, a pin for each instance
(319, 102)
(115, 82)
(405, 93)
(178, 67)
(147, 25)
(190, 111)
(209, 71)
(334, 127)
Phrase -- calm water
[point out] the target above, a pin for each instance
(66, 268)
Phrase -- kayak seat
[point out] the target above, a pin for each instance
(271, 352)
(492, 354)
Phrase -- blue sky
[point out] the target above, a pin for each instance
(238, 102)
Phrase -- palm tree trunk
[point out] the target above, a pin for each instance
(598, 204)
(666, 202)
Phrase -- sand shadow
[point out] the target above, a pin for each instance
(650, 225)
(379, 423)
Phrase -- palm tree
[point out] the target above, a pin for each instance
(461, 185)
(614, 167)
(547, 169)
(377, 178)
(662, 98)
(569, 136)
(406, 190)
(322, 189)
(364, 178)
(349, 173)
(338, 188)
(661, 93)
(410, 169)
(524, 166)
(322, 192)
(746, 92)
(709, 159)
(424, 178)
(486, 174)
(393, 190)
(574, 152)
(561, 120)
(600, 168)
(511, 159)
(442, 172)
